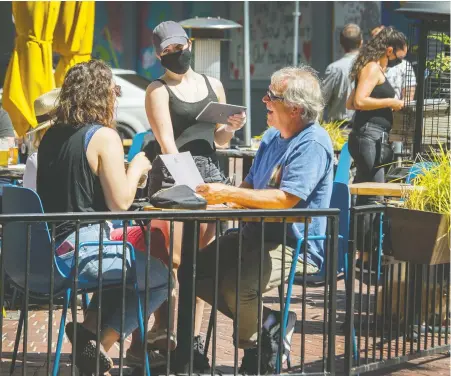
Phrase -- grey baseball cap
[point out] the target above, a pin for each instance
(166, 33)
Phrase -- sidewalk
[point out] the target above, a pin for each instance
(37, 341)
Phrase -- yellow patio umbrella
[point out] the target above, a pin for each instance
(74, 34)
(29, 73)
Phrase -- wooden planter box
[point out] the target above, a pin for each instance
(418, 236)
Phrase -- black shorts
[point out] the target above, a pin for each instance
(160, 177)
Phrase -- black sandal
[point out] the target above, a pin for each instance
(85, 356)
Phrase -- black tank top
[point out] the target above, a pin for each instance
(381, 116)
(65, 181)
(189, 134)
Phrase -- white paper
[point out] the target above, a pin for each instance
(183, 169)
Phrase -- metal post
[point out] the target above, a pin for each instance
(422, 55)
(296, 17)
(247, 75)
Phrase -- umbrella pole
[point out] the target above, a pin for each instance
(247, 76)
(296, 15)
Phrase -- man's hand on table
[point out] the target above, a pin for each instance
(214, 193)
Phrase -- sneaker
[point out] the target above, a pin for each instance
(85, 353)
(136, 360)
(288, 335)
(158, 339)
(200, 360)
(270, 347)
(267, 360)
(249, 362)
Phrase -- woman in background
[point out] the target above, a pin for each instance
(374, 101)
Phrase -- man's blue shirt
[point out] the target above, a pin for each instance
(302, 166)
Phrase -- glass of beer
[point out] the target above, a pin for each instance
(13, 151)
(142, 180)
(4, 151)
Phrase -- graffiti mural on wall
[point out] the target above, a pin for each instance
(391, 17)
(108, 33)
(366, 14)
(151, 14)
(271, 37)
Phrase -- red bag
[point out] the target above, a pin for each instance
(159, 239)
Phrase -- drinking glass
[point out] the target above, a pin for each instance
(13, 151)
(142, 180)
(4, 151)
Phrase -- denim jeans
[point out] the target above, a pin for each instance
(249, 283)
(88, 267)
(364, 149)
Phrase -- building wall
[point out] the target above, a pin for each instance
(117, 42)
(123, 37)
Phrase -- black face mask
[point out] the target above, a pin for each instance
(393, 63)
(177, 62)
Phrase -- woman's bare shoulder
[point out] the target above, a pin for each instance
(372, 67)
(156, 92)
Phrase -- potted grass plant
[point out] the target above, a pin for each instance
(420, 230)
(337, 134)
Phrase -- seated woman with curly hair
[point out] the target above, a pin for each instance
(81, 169)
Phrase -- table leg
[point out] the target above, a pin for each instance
(186, 304)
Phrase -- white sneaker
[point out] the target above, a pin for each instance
(288, 335)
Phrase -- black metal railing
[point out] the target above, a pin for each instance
(396, 311)
(27, 258)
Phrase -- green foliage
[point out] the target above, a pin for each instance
(442, 37)
(441, 62)
(433, 194)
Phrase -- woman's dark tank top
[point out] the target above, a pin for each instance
(65, 181)
(189, 134)
(381, 116)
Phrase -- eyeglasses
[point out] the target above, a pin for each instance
(272, 97)
(118, 90)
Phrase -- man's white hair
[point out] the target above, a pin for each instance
(302, 89)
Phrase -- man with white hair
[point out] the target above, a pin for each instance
(293, 168)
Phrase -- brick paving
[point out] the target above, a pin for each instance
(313, 352)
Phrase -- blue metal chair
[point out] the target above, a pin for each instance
(137, 144)
(18, 200)
(418, 169)
(344, 165)
(341, 199)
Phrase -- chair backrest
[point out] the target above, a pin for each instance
(418, 169)
(341, 199)
(136, 146)
(344, 165)
(18, 200)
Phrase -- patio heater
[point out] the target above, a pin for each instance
(207, 33)
(425, 121)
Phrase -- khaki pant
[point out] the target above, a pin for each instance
(249, 282)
